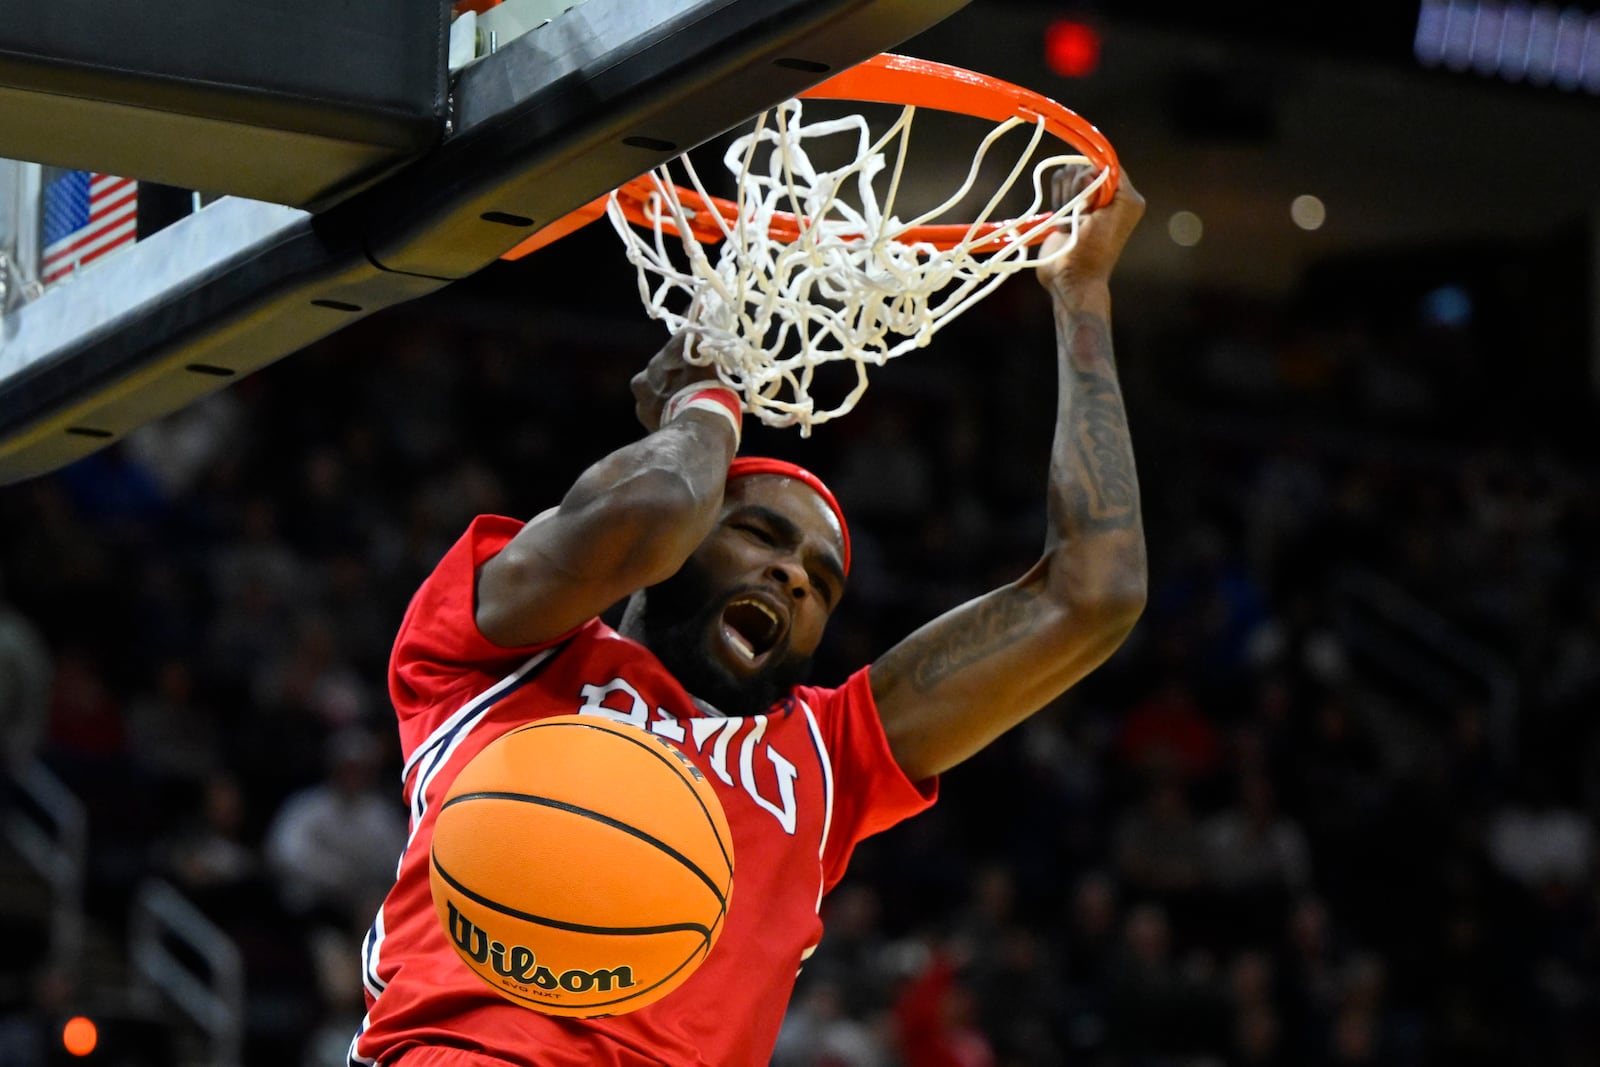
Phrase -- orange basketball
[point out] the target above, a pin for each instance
(581, 866)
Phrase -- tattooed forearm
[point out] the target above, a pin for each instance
(992, 624)
(1106, 493)
(1094, 455)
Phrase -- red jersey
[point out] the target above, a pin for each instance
(800, 785)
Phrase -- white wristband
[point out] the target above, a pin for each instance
(706, 396)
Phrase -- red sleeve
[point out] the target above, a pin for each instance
(439, 646)
(870, 791)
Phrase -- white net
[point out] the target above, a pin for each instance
(847, 282)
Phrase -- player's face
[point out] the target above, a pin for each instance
(739, 623)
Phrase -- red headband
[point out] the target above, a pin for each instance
(747, 465)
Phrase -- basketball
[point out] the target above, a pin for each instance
(581, 867)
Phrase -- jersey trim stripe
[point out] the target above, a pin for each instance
(493, 693)
(429, 757)
(827, 797)
(354, 1058)
(371, 945)
(443, 742)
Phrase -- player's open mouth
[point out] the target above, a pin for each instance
(751, 628)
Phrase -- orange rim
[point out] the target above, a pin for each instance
(883, 79)
(894, 79)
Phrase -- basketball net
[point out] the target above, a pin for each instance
(840, 281)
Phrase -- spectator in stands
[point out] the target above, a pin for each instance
(1158, 846)
(1311, 963)
(1257, 1032)
(1256, 859)
(1020, 997)
(855, 959)
(936, 1019)
(1168, 733)
(1155, 1007)
(1540, 843)
(1087, 940)
(1257, 1037)
(333, 846)
(208, 856)
(821, 1030)
(174, 736)
(1338, 774)
(26, 668)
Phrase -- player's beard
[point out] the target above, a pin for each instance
(675, 620)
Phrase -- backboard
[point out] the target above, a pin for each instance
(533, 127)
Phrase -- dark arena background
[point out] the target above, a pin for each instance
(1334, 801)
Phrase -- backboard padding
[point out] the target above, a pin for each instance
(295, 102)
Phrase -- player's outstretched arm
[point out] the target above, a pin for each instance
(959, 682)
(629, 521)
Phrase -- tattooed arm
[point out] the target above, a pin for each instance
(630, 520)
(962, 680)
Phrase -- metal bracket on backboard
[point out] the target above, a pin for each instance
(474, 35)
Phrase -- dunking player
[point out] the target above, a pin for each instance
(733, 568)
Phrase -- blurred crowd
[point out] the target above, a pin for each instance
(1332, 804)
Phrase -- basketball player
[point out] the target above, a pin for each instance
(733, 568)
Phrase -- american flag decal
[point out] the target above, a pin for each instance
(85, 216)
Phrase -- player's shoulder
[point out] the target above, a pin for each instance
(821, 701)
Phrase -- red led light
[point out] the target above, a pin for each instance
(79, 1036)
(1072, 48)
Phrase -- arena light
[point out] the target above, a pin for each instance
(1308, 212)
(1072, 48)
(1541, 44)
(80, 1036)
(1185, 229)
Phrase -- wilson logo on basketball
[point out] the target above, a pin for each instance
(519, 964)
